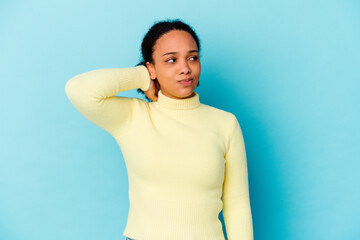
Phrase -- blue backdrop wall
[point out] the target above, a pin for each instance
(289, 70)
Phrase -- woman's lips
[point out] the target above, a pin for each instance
(186, 82)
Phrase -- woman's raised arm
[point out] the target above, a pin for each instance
(93, 95)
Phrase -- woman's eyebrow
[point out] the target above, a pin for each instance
(177, 52)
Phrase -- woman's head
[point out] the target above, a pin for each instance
(170, 51)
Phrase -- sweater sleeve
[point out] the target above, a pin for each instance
(236, 210)
(93, 95)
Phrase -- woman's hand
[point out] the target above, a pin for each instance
(153, 90)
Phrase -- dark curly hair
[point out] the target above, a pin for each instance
(155, 32)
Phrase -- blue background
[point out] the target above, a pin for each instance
(289, 70)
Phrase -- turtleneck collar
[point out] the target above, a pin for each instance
(178, 104)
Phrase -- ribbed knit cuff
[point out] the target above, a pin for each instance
(143, 78)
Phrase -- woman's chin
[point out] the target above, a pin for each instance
(180, 94)
(186, 93)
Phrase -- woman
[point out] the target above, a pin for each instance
(186, 160)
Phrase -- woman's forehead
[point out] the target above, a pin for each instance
(175, 41)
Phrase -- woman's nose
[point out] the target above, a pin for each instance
(185, 69)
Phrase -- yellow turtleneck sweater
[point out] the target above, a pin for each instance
(186, 160)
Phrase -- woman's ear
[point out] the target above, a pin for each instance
(151, 69)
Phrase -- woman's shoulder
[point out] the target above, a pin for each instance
(218, 113)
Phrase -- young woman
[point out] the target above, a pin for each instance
(186, 160)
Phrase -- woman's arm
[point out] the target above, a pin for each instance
(236, 210)
(93, 95)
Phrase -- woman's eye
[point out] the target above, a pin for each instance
(172, 60)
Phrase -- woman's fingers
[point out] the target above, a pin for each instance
(152, 91)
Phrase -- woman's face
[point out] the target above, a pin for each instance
(176, 58)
